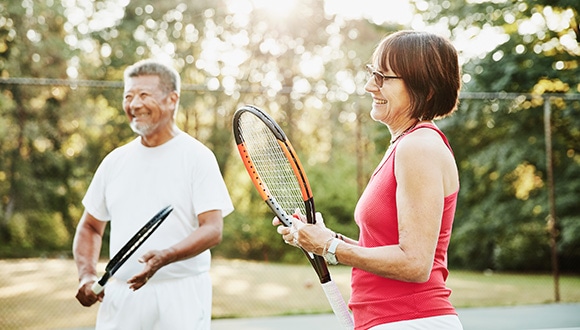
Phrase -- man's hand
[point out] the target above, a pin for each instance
(153, 261)
(85, 294)
(86, 247)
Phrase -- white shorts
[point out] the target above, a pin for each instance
(183, 303)
(443, 322)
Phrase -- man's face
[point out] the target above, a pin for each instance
(148, 108)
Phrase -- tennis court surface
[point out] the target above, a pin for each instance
(537, 317)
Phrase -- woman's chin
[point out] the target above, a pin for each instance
(377, 115)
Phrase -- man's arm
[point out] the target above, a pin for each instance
(86, 249)
(206, 236)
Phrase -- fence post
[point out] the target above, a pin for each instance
(551, 220)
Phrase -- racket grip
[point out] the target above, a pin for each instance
(97, 288)
(338, 305)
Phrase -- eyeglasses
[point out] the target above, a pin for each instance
(379, 77)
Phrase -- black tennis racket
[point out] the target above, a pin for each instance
(130, 247)
(281, 181)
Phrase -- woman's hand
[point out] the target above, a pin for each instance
(311, 238)
(289, 234)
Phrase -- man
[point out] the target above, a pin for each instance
(166, 284)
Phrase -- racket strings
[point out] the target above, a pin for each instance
(271, 164)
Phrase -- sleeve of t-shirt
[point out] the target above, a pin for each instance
(209, 189)
(94, 200)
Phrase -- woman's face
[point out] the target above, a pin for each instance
(391, 101)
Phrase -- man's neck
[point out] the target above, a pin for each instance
(158, 138)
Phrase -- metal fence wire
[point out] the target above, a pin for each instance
(38, 293)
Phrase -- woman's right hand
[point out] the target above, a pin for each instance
(311, 238)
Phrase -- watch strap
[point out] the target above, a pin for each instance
(334, 245)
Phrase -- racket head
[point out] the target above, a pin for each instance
(273, 165)
(279, 177)
(131, 246)
(138, 239)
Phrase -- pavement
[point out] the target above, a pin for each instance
(527, 317)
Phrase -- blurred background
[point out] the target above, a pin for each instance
(516, 133)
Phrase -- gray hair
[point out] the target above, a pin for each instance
(169, 79)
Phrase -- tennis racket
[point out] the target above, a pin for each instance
(281, 181)
(130, 247)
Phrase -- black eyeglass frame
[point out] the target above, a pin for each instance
(379, 77)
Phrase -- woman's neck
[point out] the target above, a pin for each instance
(402, 129)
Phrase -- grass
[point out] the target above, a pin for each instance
(476, 289)
(39, 293)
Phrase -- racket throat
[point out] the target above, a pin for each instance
(280, 213)
(105, 278)
(310, 212)
(319, 265)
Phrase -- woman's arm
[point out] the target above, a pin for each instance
(423, 165)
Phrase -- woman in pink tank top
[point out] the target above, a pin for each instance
(406, 212)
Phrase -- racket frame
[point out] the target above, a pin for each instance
(130, 247)
(318, 263)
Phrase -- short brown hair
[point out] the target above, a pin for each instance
(428, 65)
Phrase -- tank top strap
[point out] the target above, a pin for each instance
(436, 129)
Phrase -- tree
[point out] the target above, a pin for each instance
(307, 71)
(35, 176)
(503, 206)
(228, 54)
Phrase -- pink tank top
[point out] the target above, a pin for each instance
(377, 300)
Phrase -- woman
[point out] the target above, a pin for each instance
(406, 212)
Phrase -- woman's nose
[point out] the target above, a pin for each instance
(370, 86)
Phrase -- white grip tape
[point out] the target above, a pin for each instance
(97, 288)
(338, 305)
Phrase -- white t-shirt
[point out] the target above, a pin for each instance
(134, 182)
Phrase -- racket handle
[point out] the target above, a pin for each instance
(97, 288)
(338, 305)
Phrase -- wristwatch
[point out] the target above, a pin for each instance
(330, 255)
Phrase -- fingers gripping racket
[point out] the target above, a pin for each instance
(130, 247)
(281, 181)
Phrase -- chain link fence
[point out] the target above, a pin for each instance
(39, 293)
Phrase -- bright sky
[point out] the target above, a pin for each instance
(377, 11)
(471, 42)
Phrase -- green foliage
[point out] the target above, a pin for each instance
(524, 245)
(245, 237)
(335, 192)
(36, 231)
(503, 205)
(306, 71)
(499, 144)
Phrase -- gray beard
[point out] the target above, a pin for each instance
(141, 129)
